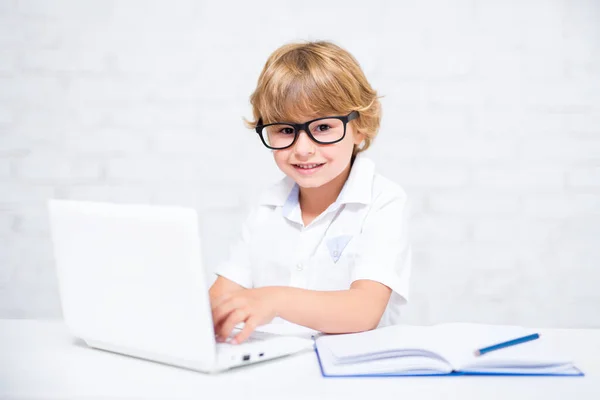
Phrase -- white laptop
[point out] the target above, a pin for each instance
(131, 281)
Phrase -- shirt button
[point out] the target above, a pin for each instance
(335, 253)
(299, 267)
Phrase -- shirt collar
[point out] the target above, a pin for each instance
(359, 185)
(278, 194)
(357, 189)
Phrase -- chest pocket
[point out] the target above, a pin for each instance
(336, 255)
(332, 264)
(336, 246)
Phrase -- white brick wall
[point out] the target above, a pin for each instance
(491, 123)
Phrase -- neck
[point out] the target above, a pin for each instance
(314, 201)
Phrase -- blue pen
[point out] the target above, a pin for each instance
(508, 343)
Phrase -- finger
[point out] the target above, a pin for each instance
(218, 327)
(223, 310)
(219, 339)
(232, 320)
(249, 327)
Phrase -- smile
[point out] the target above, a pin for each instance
(308, 168)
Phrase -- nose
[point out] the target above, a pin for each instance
(304, 146)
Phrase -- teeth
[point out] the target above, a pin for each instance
(307, 166)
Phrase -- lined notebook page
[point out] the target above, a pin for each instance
(470, 337)
(443, 347)
(351, 346)
(384, 366)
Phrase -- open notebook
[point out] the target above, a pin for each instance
(438, 350)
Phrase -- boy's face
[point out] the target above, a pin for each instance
(311, 164)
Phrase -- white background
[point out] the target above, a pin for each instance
(491, 124)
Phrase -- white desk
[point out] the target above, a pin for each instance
(39, 359)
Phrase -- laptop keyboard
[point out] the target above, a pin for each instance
(254, 337)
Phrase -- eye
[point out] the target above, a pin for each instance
(323, 127)
(287, 131)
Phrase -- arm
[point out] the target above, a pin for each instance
(354, 310)
(382, 255)
(358, 309)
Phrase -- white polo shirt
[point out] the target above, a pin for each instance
(362, 235)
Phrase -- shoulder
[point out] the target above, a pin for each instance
(388, 214)
(386, 192)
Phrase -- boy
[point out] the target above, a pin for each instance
(326, 247)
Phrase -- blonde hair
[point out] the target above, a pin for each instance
(311, 79)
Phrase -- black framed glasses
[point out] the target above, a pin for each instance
(325, 130)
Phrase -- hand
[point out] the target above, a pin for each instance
(254, 307)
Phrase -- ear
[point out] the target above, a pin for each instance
(358, 138)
